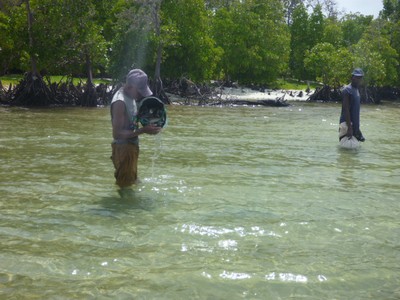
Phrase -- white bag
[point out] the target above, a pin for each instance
(346, 142)
(349, 143)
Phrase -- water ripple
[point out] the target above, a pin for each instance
(213, 231)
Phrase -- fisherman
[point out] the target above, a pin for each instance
(125, 127)
(350, 115)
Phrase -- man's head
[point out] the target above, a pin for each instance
(357, 76)
(136, 84)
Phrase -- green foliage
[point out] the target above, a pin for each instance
(74, 32)
(391, 10)
(289, 6)
(6, 42)
(316, 26)
(254, 40)
(14, 37)
(65, 35)
(293, 84)
(342, 67)
(329, 64)
(395, 40)
(371, 62)
(192, 53)
(299, 43)
(319, 61)
(10, 79)
(373, 53)
(353, 27)
(333, 33)
(391, 26)
(129, 42)
(377, 57)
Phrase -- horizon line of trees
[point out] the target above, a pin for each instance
(248, 41)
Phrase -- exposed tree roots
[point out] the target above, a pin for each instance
(368, 94)
(35, 91)
(39, 91)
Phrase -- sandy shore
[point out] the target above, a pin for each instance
(246, 94)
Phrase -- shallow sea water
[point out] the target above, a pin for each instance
(234, 203)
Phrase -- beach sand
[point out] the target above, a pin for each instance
(247, 94)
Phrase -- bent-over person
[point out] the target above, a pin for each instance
(125, 128)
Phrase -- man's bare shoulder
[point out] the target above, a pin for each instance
(117, 108)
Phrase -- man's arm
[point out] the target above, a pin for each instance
(119, 123)
(346, 109)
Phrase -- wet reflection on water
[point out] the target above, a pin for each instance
(127, 199)
(348, 162)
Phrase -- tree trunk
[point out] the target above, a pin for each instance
(157, 24)
(157, 73)
(31, 40)
(89, 68)
(158, 88)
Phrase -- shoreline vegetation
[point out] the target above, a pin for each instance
(31, 91)
(261, 44)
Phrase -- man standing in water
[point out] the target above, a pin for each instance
(125, 129)
(350, 115)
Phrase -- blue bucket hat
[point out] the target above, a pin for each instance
(358, 72)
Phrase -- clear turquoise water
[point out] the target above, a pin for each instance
(240, 202)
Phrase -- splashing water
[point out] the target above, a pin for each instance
(157, 149)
